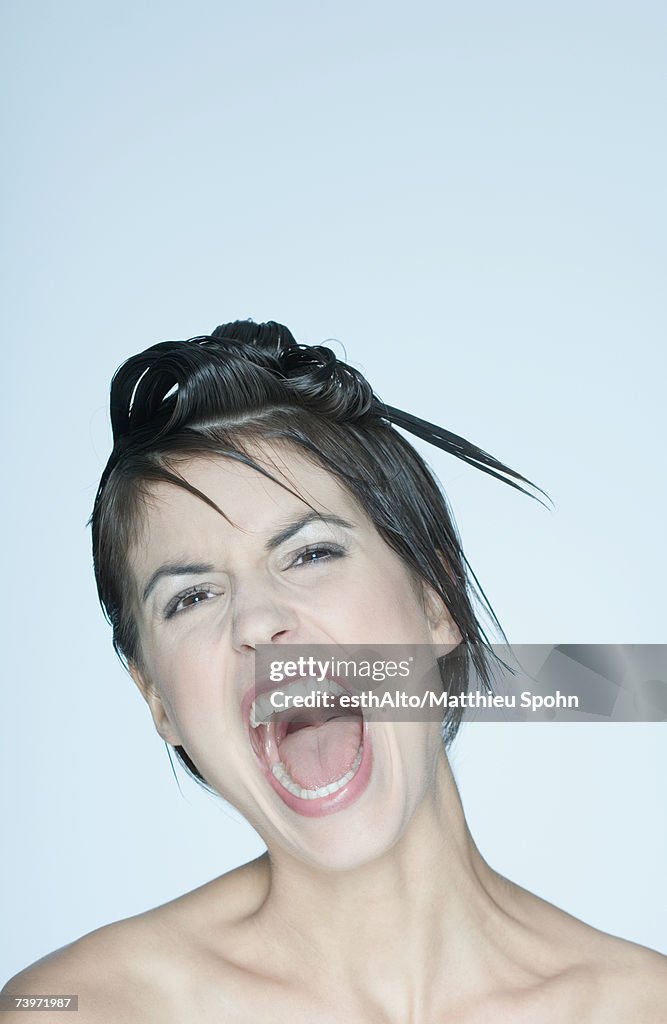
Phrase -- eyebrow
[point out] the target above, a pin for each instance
(310, 517)
(175, 569)
(197, 568)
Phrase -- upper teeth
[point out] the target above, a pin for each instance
(262, 710)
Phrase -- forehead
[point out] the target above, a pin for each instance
(249, 499)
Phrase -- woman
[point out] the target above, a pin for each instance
(257, 494)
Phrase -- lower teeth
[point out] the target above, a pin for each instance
(285, 779)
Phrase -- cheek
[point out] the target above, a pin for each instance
(384, 605)
(189, 680)
(203, 707)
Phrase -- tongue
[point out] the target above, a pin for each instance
(319, 754)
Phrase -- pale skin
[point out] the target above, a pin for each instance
(384, 911)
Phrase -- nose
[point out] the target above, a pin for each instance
(259, 616)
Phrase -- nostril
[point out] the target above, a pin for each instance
(250, 646)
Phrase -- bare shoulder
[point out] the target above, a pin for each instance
(107, 970)
(632, 982)
(141, 968)
(611, 980)
(597, 977)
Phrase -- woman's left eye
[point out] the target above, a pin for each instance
(317, 553)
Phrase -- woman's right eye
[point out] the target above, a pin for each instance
(190, 598)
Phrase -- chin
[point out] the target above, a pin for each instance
(340, 845)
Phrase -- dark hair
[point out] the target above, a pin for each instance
(218, 394)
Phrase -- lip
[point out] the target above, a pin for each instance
(320, 806)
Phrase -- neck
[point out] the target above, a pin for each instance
(390, 925)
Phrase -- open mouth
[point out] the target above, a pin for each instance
(316, 758)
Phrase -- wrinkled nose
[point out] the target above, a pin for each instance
(260, 616)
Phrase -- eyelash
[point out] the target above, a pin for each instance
(172, 607)
(328, 552)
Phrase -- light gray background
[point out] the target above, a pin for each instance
(471, 199)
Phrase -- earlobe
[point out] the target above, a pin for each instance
(152, 697)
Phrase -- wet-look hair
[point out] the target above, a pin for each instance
(221, 394)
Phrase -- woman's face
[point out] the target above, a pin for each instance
(209, 590)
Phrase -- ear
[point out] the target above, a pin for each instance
(444, 631)
(151, 695)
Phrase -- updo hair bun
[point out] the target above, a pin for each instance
(270, 337)
(239, 369)
(319, 379)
